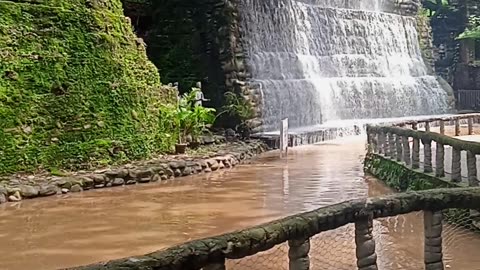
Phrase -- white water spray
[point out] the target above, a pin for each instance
(319, 61)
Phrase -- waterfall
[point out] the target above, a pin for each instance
(317, 61)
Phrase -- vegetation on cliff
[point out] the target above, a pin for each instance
(473, 29)
(76, 87)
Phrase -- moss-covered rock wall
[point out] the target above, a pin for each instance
(400, 177)
(76, 87)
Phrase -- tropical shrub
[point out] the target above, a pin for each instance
(187, 119)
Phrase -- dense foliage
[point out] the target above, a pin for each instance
(76, 87)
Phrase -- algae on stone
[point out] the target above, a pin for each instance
(76, 87)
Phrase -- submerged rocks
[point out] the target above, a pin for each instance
(3, 190)
(122, 173)
(3, 198)
(28, 191)
(181, 164)
(14, 198)
(118, 182)
(156, 170)
(88, 183)
(187, 171)
(76, 188)
(48, 190)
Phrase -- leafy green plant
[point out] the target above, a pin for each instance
(239, 108)
(187, 119)
(473, 29)
(433, 8)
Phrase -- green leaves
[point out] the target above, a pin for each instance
(238, 106)
(187, 118)
(473, 29)
(433, 8)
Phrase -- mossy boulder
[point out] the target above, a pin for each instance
(76, 87)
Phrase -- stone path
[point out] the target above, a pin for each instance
(207, 159)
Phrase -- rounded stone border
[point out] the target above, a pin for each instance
(148, 171)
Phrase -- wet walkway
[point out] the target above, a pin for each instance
(106, 224)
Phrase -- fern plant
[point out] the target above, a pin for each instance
(238, 107)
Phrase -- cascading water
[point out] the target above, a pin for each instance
(324, 60)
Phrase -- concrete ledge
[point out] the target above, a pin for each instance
(298, 138)
(402, 178)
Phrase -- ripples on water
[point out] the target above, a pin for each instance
(106, 224)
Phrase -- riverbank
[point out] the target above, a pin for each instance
(205, 159)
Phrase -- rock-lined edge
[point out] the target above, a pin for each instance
(149, 171)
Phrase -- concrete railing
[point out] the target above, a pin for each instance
(394, 142)
(441, 122)
(212, 253)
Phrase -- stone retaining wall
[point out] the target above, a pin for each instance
(400, 177)
(15, 189)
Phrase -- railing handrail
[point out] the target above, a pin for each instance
(240, 244)
(440, 118)
(463, 145)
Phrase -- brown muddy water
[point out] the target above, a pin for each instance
(100, 225)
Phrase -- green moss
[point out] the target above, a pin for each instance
(402, 179)
(76, 87)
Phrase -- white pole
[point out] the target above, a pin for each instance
(284, 136)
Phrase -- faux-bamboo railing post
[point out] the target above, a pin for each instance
(382, 141)
(427, 126)
(416, 153)
(472, 169)
(456, 165)
(391, 146)
(442, 127)
(374, 142)
(398, 143)
(427, 156)
(440, 160)
(406, 151)
(470, 126)
(433, 240)
(298, 254)
(365, 244)
(457, 127)
(220, 265)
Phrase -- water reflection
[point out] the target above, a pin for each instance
(106, 224)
